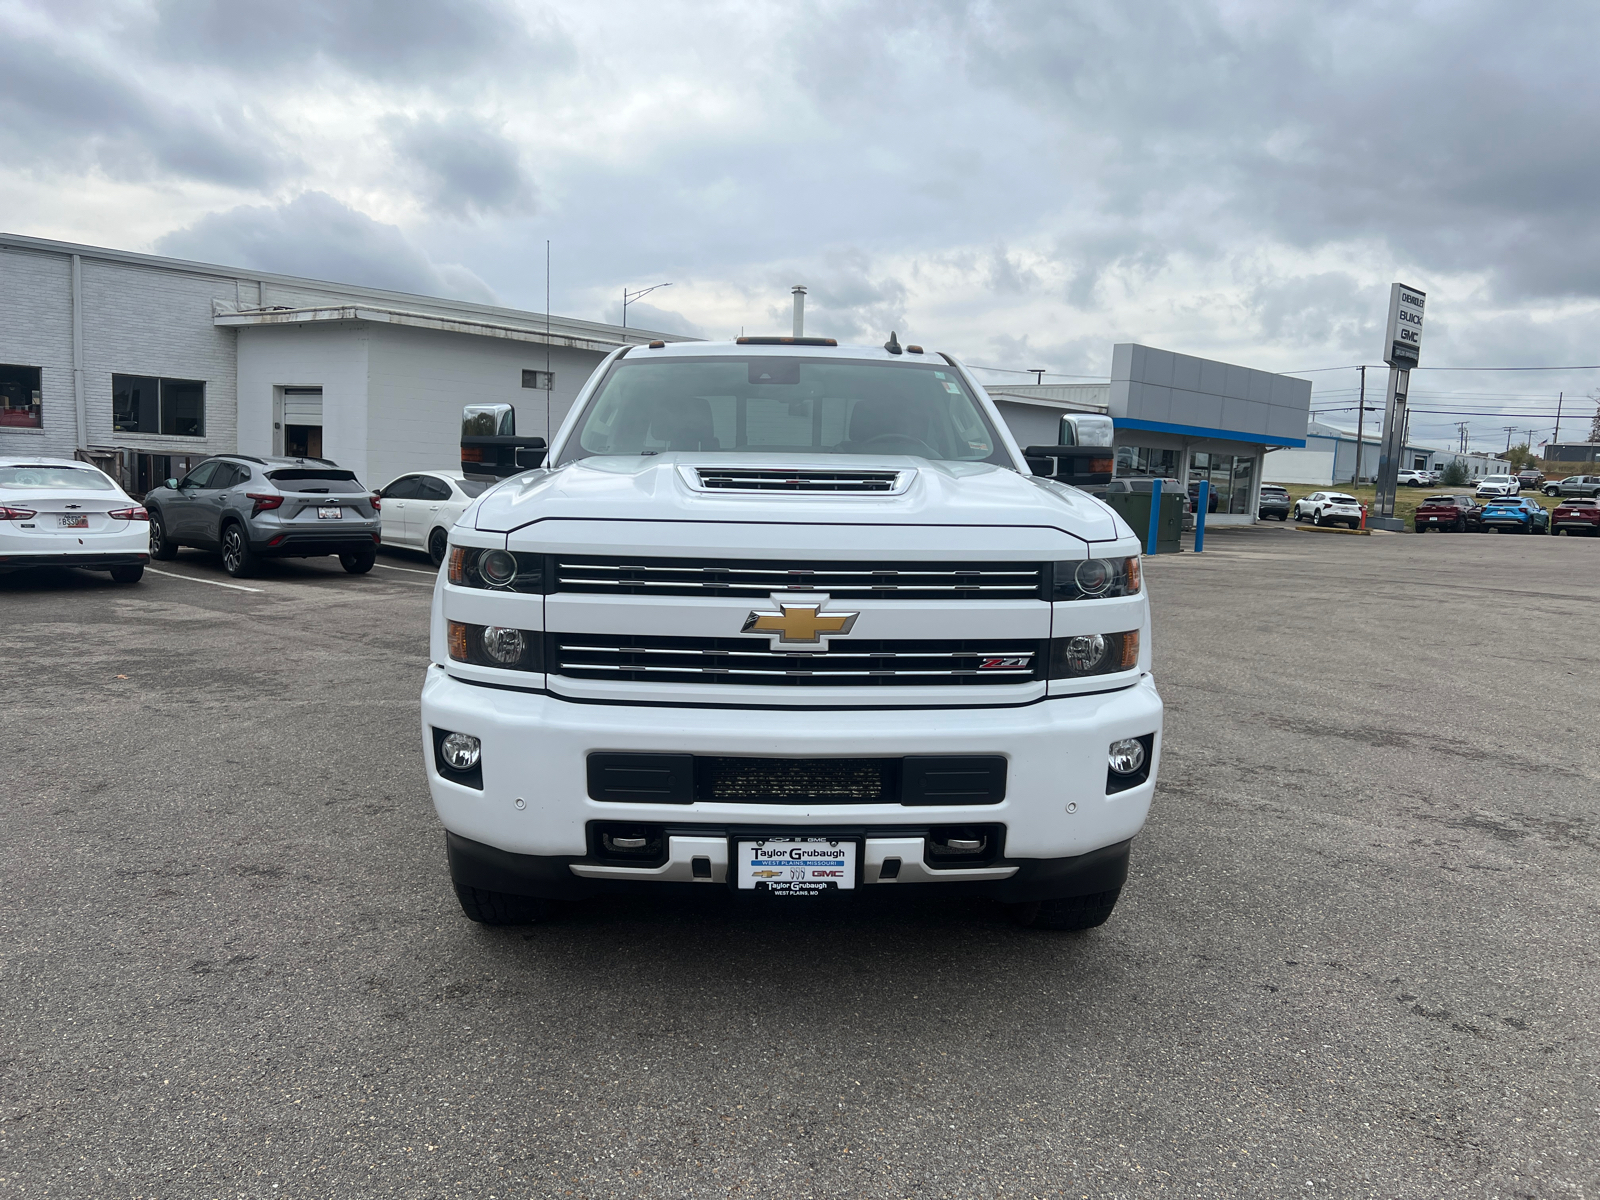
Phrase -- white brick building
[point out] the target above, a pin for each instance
(148, 364)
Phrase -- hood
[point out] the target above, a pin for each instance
(660, 487)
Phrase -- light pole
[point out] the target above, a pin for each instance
(629, 297)
(1038, 375)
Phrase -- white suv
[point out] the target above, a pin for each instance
(1498, 485)
(1329, 508)
(1415, 478)
(791, 618)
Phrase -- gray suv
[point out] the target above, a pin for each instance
(253, 508)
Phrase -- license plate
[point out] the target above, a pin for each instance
(72, 522)
(1433, 518)
(797, 866)
(330, 512)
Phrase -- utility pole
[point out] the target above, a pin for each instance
(1560, 396)
(1510, 429)
(1038, 375)
(1461, 427)
(1361, 413)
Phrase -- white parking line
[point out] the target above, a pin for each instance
(238, 587)
(412, 570)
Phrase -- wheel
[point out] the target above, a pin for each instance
(1316, 519)
(162, 547)
(1422, 529)
(502, 908)
(360, 562)
(238, 559)
(1283, 516)
(438, 542)
(1459, 525)
(131, 574)
(1069, 912)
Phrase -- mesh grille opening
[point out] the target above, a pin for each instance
(759, 578)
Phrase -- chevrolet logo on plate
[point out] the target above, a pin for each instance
(798, 624)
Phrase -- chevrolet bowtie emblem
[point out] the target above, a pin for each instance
(797, 624)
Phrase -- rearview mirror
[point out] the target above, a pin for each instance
(171, 483)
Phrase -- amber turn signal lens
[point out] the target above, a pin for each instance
(1130, 649)
(1133, 576)
(457, 637)
(458, 564)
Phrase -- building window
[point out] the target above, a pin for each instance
(1147, 462)
(1232, 479)
(143, 404)
(19, 398)
(544, 381)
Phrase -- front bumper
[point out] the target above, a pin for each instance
(535, 800)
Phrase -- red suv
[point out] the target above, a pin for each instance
(1449, 514)
(1576, 516)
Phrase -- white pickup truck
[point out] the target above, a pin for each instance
(789, 618)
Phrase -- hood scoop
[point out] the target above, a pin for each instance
(808, 480)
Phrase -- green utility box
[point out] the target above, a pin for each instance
(1134, 508)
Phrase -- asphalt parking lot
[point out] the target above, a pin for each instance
(1357, 956)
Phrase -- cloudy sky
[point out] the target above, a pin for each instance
(1022, 183)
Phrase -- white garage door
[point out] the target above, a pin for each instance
(302, 406)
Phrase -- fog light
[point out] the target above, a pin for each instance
(460, 751)
(504, 645)
(498, 567)
(1085, 652)
(1127, 756)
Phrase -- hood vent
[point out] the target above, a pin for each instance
(799, 479)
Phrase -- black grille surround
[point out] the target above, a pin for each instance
(610, 575)
(939, 780)
(853, 662)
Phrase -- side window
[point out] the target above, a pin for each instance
(201, 476)
(432, 489)
(229, 475)
(404, 488)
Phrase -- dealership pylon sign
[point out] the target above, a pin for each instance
(1402, 347)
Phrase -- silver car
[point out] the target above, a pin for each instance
(253, 508)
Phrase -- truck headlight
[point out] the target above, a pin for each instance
(1094, 578)
(499, 570)
(495, 646)
(1093, 654)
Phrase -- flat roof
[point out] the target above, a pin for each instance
(485, 317)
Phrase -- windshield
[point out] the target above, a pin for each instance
(775, 405)
(1341, 499)
(1437, 500)
(57, 479)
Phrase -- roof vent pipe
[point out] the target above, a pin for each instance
(799, 291)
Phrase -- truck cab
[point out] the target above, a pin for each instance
(790, 619)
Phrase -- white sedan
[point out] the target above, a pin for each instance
(1329, 508)
(419, 508)
(56, 512)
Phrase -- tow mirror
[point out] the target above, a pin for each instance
(1086, 429)
(490, 447)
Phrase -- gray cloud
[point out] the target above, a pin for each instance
(462, 165)
(72, 111)
(315, 236)
(406, 42)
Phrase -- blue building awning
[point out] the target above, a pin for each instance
(1197, 431)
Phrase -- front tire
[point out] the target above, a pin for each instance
(162, 547)
(502, 908)
(360, 562)
(238, 559)
(1460, 525)
(438, 543)
(128, 574)
(1067, 913)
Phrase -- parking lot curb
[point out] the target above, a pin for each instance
(1333, 529)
